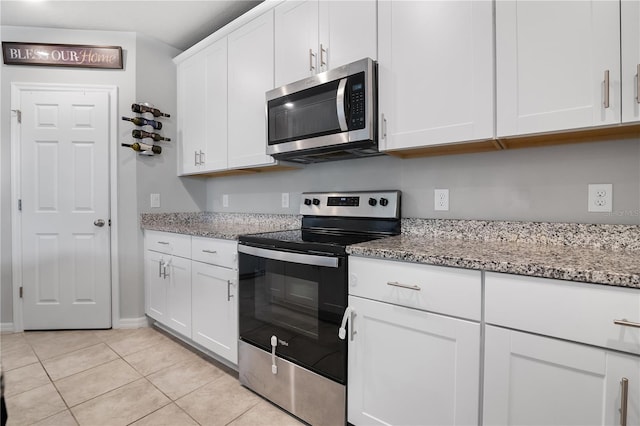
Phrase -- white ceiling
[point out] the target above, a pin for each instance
(179, 23)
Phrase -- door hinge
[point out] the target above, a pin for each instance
(20, 205)
(20, 292)
(19, 114)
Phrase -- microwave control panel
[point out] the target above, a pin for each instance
(356, 101)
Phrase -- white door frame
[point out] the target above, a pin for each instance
(16, 219)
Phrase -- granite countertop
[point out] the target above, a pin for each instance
(227, 226)
(600, 254)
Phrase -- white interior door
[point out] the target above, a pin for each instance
(64, 175)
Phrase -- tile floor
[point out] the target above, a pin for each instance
(122, 377)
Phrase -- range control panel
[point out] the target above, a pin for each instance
(371, 204)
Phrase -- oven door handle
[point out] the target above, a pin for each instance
(285, 256)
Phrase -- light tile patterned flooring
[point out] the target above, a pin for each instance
(122, 377)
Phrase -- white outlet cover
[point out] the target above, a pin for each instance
(441, 199)
(155, 201)
(225, 200)
(285, 200)
(600, 197)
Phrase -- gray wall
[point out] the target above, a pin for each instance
(537, 184)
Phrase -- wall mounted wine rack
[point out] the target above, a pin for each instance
(143, 148)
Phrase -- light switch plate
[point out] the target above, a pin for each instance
(155, 201)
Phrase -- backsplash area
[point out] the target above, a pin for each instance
(547, 184)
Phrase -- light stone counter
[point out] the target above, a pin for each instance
(601, 254)
(226, 226)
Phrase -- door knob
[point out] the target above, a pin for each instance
(99, 222)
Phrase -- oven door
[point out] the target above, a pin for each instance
(299, 299)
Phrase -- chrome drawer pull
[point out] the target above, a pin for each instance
(606, 89)
(209, 251)
(627, 323)
(163, 243)
(410, 287)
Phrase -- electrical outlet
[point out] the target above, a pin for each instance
(225, 200)
(285, 200)
(600, 197)
(155, 201)
(441, 199)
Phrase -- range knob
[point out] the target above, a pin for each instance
(373, 202)
(316, 202)
(384, 202)
(307, 202)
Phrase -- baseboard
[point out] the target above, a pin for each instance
(133, 322)
(6, 327)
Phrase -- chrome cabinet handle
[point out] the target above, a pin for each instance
(202, 156)
(164, 243)
(209, 251)
(384, 127)
(323, 62)
(606, 89)
(160, 268)
(312, 57)
(229, 295)
(638, 84)
(195, 158)
(627, 323)
(397, 284)
(624, 398)
(99, 223)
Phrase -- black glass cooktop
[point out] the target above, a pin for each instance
(309, 240)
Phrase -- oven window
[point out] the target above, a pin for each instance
(302, 305)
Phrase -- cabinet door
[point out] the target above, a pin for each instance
(155, 286)
(215, 312)
(348, 32)
(409, 367)
(551, 59)
(536, 380)
(215, 145)
(250, 76)
(435, 72)
(630, 14)
(296, 38)
(178, 284)
(192, 113)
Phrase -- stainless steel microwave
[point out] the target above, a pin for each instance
(329, 116)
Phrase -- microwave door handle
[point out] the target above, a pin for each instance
(340, 107)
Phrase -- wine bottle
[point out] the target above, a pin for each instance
(140, 147)
(141, 134)
(139, 121)
(141, 108)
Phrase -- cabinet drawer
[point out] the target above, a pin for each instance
(215, 251)
(448, 291)
(167, 242)
(564, 309)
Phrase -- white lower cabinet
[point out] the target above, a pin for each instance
(191, 288)
(408, 366)
(538, 380)
(560, 353)
(215, 309)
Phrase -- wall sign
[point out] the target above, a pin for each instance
(62, 55)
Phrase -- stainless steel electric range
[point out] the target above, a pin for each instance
(293, 297)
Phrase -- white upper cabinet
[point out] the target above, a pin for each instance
(435, 72)
(630, 14)
(557, 65)
(202, 110)
(250, 71)
(313, 36)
